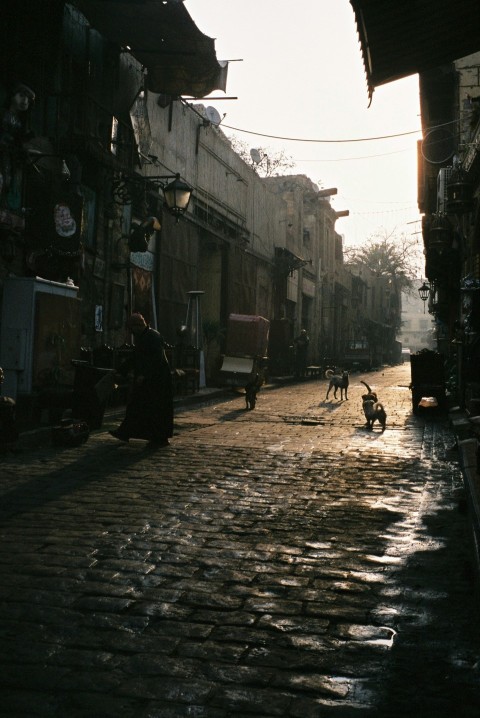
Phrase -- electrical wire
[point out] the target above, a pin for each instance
(343, 141)
(349, 159)
(341, 159)
(304, 139)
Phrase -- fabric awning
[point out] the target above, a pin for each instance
(286, 261)
(402, 38)
(162, 36)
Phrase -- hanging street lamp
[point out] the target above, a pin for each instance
(424, 292)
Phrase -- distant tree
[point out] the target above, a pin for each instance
(272, 164)
(389, 255)
(395, 257)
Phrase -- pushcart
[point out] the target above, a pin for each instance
(245, 361)
(428, 381)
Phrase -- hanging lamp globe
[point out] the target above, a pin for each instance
(459, 192)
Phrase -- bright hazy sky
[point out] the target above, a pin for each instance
(302, 76)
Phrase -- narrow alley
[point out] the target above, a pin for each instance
(283, 561)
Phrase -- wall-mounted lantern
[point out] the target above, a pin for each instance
(424, 292)
(177, 196)
(459, 192)
(176, 193)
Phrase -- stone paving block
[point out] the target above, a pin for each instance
(27, 702)
(169, 689)
(160, 710)
(254, 700)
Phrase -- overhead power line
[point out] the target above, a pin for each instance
(305, 139)
(343, 141)
(349, 159)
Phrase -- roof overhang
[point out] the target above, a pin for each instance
(161, 35)
(402, 38)
(287, 262)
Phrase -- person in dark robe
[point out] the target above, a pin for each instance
(301, 349)
(149, 411)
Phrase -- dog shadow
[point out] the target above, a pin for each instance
(374, 433)
(235, 413)
(328, 403)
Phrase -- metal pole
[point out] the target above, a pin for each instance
(194, 325)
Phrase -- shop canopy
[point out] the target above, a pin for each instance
(402, 38)
(161, 35)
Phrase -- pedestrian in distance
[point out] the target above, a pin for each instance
(301, 349)
(149, 411)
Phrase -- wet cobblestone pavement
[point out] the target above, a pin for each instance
(278, 562)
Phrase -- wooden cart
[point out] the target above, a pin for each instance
(245, 360)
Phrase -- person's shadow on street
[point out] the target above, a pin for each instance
(92, 461)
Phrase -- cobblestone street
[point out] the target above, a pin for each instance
(277, 562)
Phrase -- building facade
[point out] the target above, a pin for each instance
(449, 190)
(439, 41)
(94, 139)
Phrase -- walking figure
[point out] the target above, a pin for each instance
(301, 349)
(149, 411)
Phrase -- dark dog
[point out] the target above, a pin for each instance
(337, 381)
(371, 394)
(251, 391)
(374, 411)
(372, 408)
